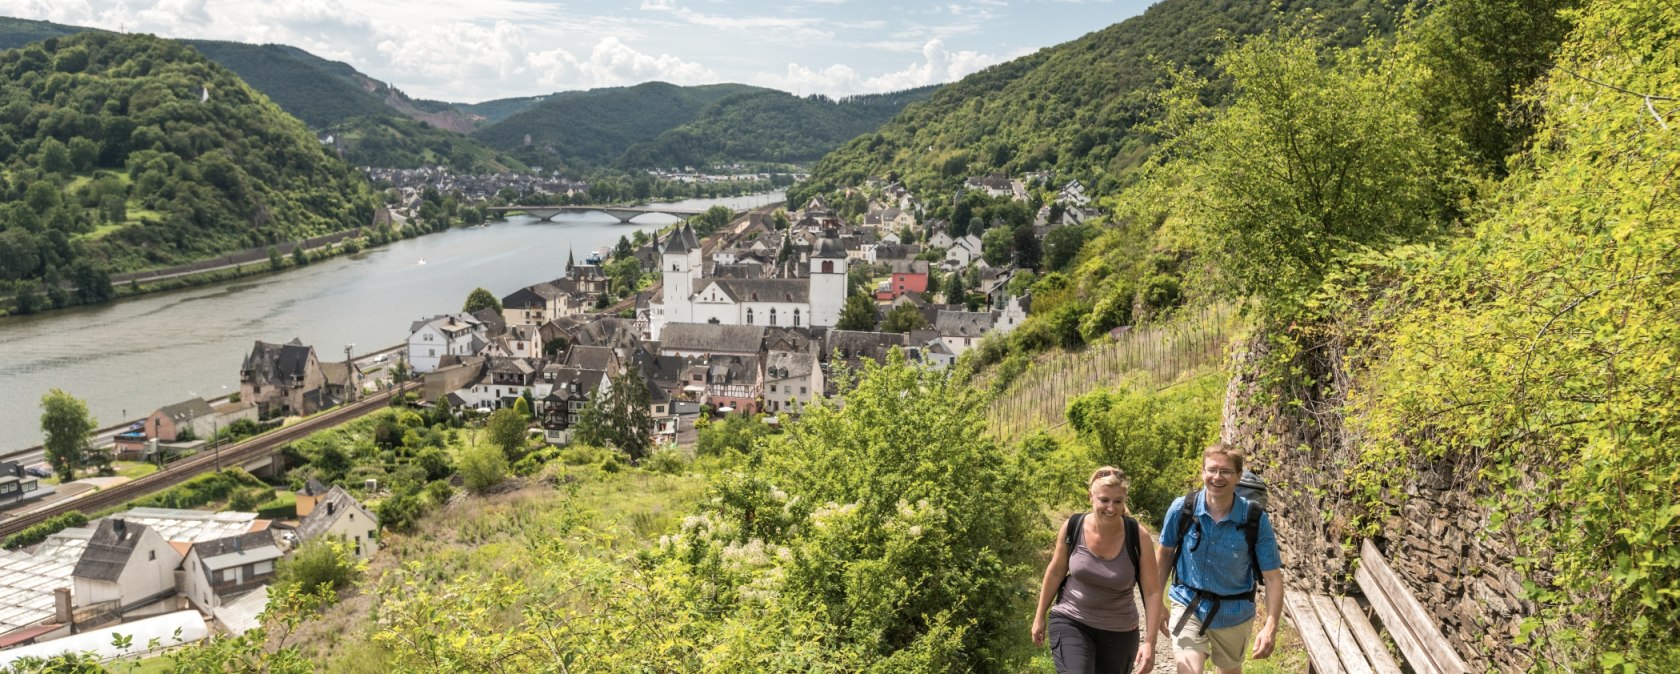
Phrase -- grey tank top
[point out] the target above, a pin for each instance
(1099, 591)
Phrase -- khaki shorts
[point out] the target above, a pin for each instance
(1226, 645)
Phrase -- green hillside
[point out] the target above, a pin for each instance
(319, 92)
(770, 126)
(1077, 108)
(128, 152)
(388, 141)
(595, 127)
(19, 32)
(502, 108)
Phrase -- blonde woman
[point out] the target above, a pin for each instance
(1086, 606)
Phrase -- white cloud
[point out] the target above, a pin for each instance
(613, 63)
(938, 65)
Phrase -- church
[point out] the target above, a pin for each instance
(688, 297)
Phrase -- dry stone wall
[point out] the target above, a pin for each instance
(1439, 543)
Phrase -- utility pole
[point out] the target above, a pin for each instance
(349, 374)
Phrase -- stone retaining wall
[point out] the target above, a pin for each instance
(1439, 544)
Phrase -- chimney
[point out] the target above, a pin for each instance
(121, 527)
(330, 508)
(61, 606)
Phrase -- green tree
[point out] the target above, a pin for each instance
(480, 299)
(858, 313)
(623, 250)
(955, 293)
(997, 246)
(482, 466)
(275, 262)
(506, 430)
(67, 425)
(903, 318)
(1309, 162)
(55, 157)
(300, 257)
(618, 416)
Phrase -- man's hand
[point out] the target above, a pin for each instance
(1263, 641)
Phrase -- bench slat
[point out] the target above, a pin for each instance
(1335, 627)
(1408, 642)
(1409, 612)
(1319, 648)
(1376, 650)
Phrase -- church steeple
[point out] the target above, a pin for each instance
(568, 261)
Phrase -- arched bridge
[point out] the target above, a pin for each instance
(623, 213)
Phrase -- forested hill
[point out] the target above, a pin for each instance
(1075, 108)
(770, 126)
(124, 152)
(595, 127)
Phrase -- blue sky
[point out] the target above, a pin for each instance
(479, 50)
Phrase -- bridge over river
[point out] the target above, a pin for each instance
(623, 213)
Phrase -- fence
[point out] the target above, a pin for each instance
(1038, 398)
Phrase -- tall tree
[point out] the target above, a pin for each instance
(903, 318)
(506, 430)
(67, 425)
(480, 299)
(858, 314)
(618, 417)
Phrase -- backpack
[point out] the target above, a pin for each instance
(1251, 487)
(1070, 535)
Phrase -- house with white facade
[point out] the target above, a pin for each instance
(219, 570)
(791, 380)
(127, 566)
(961, 330)
(431, 339)
(337, 514)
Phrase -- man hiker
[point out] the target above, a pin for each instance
(1218, 546)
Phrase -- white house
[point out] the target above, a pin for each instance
(963, 251)
(336, 513)
(431, 339)
(960, 330)
(221, 569)
(791, 380)
(126, 563)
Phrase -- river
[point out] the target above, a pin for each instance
(128, 358)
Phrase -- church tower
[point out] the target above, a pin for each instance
(828, 282)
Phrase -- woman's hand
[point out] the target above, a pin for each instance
(1145, 658)
(1038, 631)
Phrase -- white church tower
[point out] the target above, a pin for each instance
(828, 282)
(680, 268)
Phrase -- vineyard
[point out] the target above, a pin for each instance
(1166, 354)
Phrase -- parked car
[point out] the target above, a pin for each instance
(42, 469)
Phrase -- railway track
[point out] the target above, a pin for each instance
(203, 462)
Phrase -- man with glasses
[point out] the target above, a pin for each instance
(1223, 547)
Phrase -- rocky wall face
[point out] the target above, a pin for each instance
(1440, 543)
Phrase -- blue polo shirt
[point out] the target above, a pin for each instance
(1219, 563)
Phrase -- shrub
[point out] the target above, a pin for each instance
(40, 532)
(483, 466)
(201, 490)
(668, 460)
(324, 562)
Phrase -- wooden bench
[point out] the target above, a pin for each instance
(1340, 639)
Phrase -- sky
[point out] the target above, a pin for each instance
(487, 49)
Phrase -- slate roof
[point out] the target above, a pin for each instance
(277, 363)
(855, 344)
(536, 295)
(909, 266)
(722, 370)
(789, 365)
(331, 506)
(766, 289)
(225, 553)
(963, 323)
(108, 550)
(709, 338)
(590, 358)
(828, 248)
(187, 410)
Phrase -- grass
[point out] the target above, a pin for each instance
(134, 469)
(570, 507)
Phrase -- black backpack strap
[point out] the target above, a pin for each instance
(1251, 532)
(1070, 535)
(1134, 549)
(1186, 519)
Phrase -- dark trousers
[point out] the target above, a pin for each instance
(1081, 649)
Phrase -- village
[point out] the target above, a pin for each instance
(754, 320)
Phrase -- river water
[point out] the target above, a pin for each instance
(131, 357)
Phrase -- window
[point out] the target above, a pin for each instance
(151, 555)
(431, 352)
(828, 267)
(801, 389)
(772, 388)
(796, 318)
(262, 568)
(772, 316)
(749, 316)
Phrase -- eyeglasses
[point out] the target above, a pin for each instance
(1219, 472)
